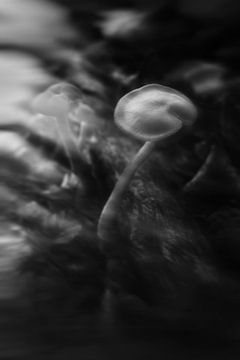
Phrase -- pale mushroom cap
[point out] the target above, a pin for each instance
(57, 100)
(153, 112)
(69, 90)
(84, 113)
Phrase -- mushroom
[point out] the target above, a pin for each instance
(88, 120)
(56, 102)
(150, 114)
(64, 103)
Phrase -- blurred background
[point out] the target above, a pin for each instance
(49, 302)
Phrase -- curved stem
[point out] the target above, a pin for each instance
(202, 170)
(107, 222)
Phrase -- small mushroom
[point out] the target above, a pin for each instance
(57, 101)
(88, 120)
(64, 103)
(151, 114)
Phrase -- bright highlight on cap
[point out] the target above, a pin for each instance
(153, 112)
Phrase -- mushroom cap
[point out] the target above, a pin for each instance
(57, 100)
(153, 112)
(84, 113)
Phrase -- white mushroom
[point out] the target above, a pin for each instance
(151, 114)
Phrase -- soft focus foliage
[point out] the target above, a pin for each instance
(34, 24)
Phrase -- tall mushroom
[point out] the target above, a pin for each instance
(151, 114)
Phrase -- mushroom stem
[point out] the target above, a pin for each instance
(64, 129)
(83, 134)
(107, 228)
